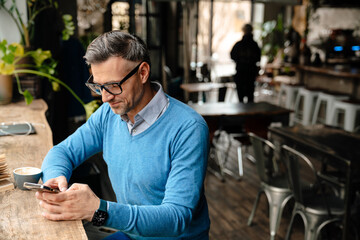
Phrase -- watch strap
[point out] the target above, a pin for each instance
(100, 214)
(103, 205)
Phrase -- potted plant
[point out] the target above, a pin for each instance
(42, 65)
(272, 37)
(16, 59)
(6, 89)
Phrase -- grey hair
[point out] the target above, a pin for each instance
(117, 44)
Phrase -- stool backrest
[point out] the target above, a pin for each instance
(295, 162)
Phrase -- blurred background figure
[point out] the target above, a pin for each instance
(246, 53)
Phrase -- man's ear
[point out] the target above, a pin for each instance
(144, 72)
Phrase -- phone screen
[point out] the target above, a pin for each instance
(39, 187)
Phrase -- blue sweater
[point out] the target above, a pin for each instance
(157, 175)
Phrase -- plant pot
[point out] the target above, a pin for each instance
(6, 89)
(32, 83)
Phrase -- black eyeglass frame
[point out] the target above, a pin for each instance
(90, 84)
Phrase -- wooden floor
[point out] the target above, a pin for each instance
(231, 202)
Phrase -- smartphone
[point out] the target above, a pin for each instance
(40, 187)
(16, 129)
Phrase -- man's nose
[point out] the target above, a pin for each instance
(105, 96)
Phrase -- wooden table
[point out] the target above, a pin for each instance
(20, 213)
(201, 87)
(254, 117)
(330, 145)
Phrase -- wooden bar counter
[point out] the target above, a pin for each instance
(345, 81)
(20, 213)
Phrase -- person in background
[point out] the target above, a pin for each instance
(246, 54)
(155, 147)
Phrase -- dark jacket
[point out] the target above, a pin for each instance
(246, 53)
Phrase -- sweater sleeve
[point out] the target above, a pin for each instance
(165, 220)
(183, 191)
(70, 153)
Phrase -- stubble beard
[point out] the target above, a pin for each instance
(121, 109)
(124, 107)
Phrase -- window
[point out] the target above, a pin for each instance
(228, 19)
(140, 17)
(120, 16)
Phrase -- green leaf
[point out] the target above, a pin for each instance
(65, 36)
(91, 107)
(12, 48)
(67, 17)
(55, 86)
(9, 58)
(3, 44)
(40, 56)
(28, 97)
(69, 27)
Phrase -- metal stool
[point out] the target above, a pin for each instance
(350, 109)
(273, 182)
(303, 114)
(328, 99)
(290, 91)
(316, 209)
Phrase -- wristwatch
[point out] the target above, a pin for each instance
(100, 214)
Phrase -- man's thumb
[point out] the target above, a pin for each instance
(63, 187)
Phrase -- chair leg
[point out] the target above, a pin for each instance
(322, 225)
(254, 207)
(240, 163)
(313, 225)
(288, 233)
(315, 116)
(277, 201)
(213, 155)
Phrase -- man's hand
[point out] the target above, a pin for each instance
(59, 182)
(78, 202)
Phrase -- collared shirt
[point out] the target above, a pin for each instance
(150, 113)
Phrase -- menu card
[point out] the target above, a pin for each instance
(5, 183)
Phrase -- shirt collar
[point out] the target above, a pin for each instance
(154, 108)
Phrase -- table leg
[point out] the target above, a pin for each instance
(200, 97)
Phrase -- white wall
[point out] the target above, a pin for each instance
(8, 29)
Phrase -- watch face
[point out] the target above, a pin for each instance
(99, 218)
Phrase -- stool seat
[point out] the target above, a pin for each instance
(328, 99)
(351, 109)
(303, 113)
(290, 91)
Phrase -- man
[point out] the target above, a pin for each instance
(155, 147)
(246, 53)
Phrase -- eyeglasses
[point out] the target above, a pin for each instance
(112, 88)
